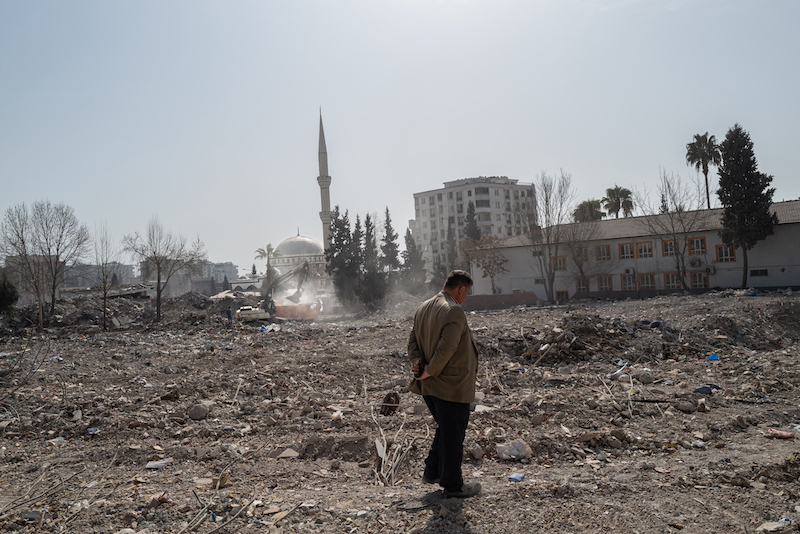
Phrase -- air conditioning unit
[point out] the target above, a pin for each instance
(630, 270)
(711, 269)
(695, 263)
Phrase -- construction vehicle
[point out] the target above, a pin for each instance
(266, 309)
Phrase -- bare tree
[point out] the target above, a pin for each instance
(20, 254)
(62, 240)
(39, 245)
(548, 206)
(485, 254)
(165, 253)
(106, 264)
(675, 216)
(578, 238)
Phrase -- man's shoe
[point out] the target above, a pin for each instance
(428, 480)
(467, 490)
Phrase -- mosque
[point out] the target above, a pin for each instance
(295, 250)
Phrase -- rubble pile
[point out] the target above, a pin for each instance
(674, 413)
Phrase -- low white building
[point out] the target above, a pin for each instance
(624, 257)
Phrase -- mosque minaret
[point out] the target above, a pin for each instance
(324, 181)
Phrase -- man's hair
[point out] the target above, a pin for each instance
(457, 279)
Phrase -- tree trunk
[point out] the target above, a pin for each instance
(105, 307)
(705, 173)
(744, 271)
(158, 297)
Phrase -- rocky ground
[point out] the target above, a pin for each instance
(193, 426)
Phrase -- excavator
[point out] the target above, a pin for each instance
(267, 310)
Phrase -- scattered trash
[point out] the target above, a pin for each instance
(517, 477)
(778, 434)
(93, 430)
(54, 441)
(158, 464)
(514, 450)
(774, 526)
(707, 389)
(619, 362)
(712, 357)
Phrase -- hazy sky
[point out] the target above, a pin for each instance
(206, 113)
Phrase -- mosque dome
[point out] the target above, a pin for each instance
(299, 246)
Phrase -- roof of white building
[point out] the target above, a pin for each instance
(632, 227)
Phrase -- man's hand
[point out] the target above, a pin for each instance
(419, 370)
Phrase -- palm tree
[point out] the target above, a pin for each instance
(701, 152)
(588, 210)
(618, 198)
(267, 253)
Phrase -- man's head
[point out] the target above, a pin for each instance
(458, 285)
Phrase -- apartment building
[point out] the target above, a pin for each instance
(496, 200)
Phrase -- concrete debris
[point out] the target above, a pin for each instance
(287, 421)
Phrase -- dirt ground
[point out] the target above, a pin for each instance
(132, 430)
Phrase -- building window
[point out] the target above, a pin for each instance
(669, 247)
(605, 283)
(416, 201)
(559, 262)
(625, 251)
(451, 220)
(647, 281)
(699, 280)
(481, 191)
(450, 208)
(461, 221)
(644, 249)
(424, 213)
(441, 233)
(430, 200)
(497, 217)
(450, 195)
(538, 281)
(725, 253)
(516, 195)
(582, 284)
(460, 208)
(497, 205)
(497, 192)
(508, 219)
(628, 282)
(439, 197)
(469, 192)
(508, 194)
(425, 224)
(459, 196)
(441, 210)
(562, 296)
(603, 252)
(425, 236)
(508, 206)
(509, 231)
(697, 245)
(461, 234)
(758, 272)
(416, 213)
(482, 204)
(672, 281)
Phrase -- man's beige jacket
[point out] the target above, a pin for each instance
(441, 337)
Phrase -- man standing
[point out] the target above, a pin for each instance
(445, 364)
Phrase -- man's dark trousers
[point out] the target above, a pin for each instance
(447, 449)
